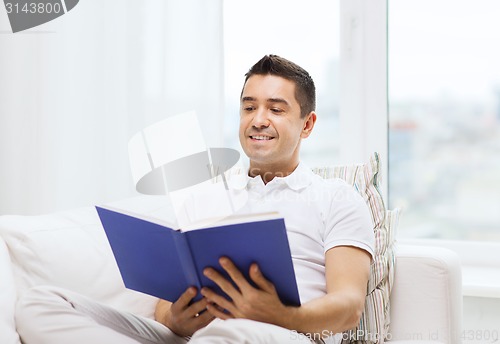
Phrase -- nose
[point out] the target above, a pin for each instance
(260, 120)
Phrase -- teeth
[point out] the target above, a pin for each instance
(261, 137)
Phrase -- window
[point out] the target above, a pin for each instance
(307, 34)
(444, 117)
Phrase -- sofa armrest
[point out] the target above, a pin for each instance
(8, 334)
(426, 299)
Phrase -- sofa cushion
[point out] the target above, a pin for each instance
(365, 178)
(373, 327)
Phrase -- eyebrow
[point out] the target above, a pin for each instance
(248, 99)
(270, 100)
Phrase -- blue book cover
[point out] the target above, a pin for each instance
(162, 261)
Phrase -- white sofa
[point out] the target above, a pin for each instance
(69, 249)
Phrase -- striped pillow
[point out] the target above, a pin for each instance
(374, 324)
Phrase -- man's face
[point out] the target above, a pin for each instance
(270, 123)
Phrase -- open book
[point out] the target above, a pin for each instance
(158, 260)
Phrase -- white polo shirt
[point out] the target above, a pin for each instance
(319, 215)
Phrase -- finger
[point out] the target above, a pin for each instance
(234, 273)
(217, 312)
(259, 279)
(186, 297)
(220, 301)
(222, 282)
(204, 319)
(196, 307)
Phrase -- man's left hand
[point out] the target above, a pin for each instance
(260, 304)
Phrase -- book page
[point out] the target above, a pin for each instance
(229, 220)
(163, 222)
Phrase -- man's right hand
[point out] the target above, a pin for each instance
(183, 318)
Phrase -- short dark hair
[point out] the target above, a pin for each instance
(305, 91)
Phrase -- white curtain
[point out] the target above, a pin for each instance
(73, 91)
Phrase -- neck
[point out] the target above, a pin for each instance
(268, 171)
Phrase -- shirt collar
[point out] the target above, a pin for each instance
(300, 178)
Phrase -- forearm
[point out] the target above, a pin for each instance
(162, 308)
(347, 274)
(333, 313)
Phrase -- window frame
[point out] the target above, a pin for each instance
(363, 104)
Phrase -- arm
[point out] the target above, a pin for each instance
(182, 317)
(161, 310)
(347, 272)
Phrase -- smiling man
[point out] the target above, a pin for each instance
(329, 232)
(328, 227)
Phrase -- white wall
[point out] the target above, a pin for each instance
(73, 91)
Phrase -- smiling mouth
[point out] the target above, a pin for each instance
(261, 138)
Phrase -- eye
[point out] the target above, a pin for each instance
(277, 110)
(248, 108)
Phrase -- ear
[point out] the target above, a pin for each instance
(309, 122)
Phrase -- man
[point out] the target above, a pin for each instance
(328, 226)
